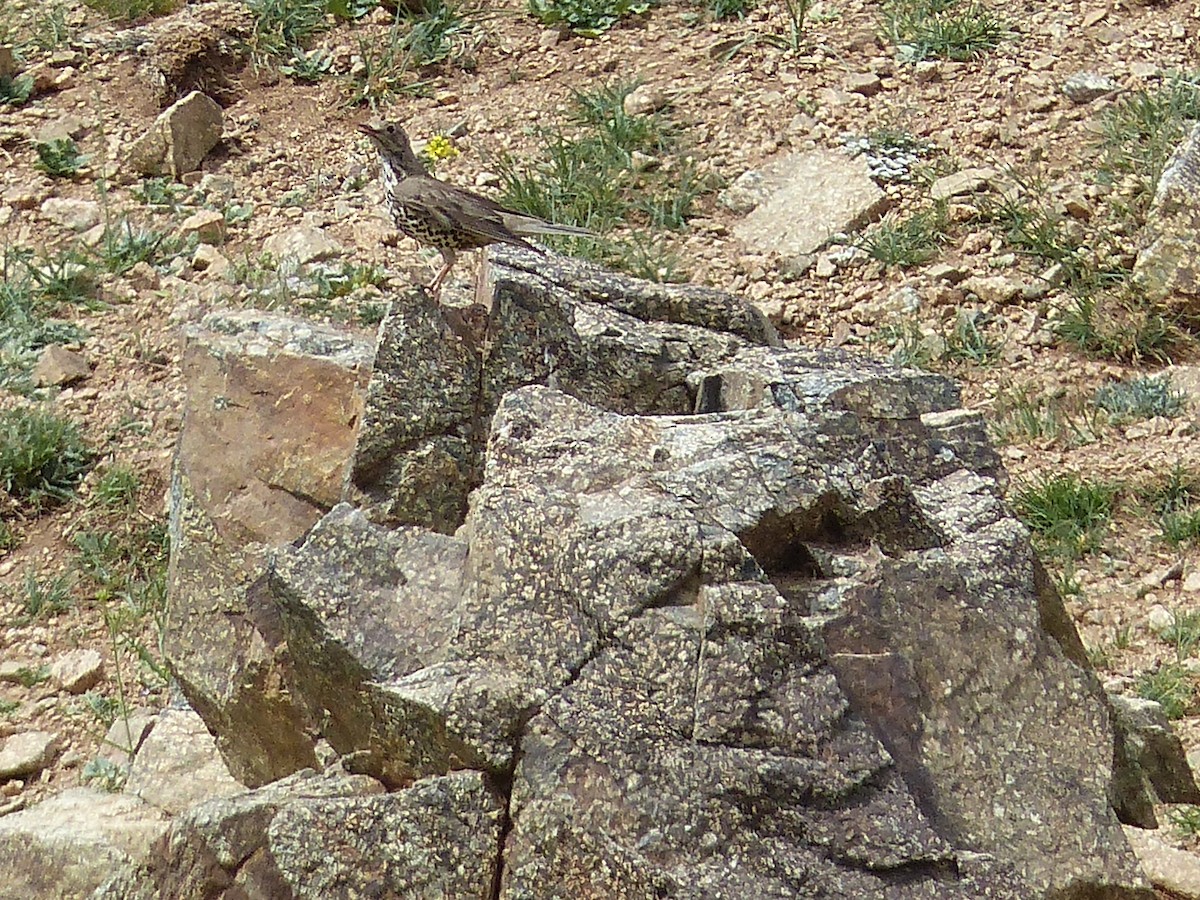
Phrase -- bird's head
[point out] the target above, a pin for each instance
(393, 145)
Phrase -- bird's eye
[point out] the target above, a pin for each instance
(391, 129)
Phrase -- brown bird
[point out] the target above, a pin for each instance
(440, 215)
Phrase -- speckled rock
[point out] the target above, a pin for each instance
(1168, 267)
(623, 344)
(268, 429)
(1155, 749)
(67, 846)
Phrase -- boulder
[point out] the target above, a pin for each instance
(707, 616)
(269, 422)
(1168, 266)
(67, 846)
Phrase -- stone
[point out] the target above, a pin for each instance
(1159, 619)
(14, 671)
(999, 289)
(747, 191)
(207, 258)
(126, 735)
(68, 845)
(421, 440)
(62, 128)
(57, 365)
(865, 83)
(1168, 266)
(1168, 868)
(180, 137)
(268, 430)
(226, 841)
(707, 615)
(27, 753)
(178, 765)
(1154, 749)
(8, 62)
(643, 100)
(302, 244)
(207, 225)
(1084, 87)
(810, 197)
(77, 215)
(1191, 582)
(965, 181)
(946, 272)
(77, 671)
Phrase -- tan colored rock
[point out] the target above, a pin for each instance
(810, 197)
(1168, 267)
(302, 244)
(178, 765)
(77, 671)
(269, 424)
(77, 215)
(68, 845)
(180, 137)
(8, 62)
(58, 366)
(207, 225)
(965, 181)
(1167, 868)
(27, 753)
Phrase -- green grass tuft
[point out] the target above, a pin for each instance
(42, 456)
(133, 10)
(950, 29)
(1067, 514)
(906, 242)
(1171, 685)
(586, 17)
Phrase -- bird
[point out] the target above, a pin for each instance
(449, 218)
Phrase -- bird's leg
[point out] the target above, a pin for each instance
(448, 259)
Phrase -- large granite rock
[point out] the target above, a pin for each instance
(702, 616)
(1168, 267)
(269, 424)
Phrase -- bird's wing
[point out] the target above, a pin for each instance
(457, 209)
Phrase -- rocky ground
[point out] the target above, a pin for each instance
(128, 259)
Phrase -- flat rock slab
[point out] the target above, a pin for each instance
(27, 753)
(1167, 867)
(178, 766)
(180, 137)
(810, 197)
(67, 846)
(77, 671)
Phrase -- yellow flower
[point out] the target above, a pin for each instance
(440, 147)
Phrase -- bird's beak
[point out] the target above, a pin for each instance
(365, 128)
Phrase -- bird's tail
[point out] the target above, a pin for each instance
(530, 226)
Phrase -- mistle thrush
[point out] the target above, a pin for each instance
(443, 216)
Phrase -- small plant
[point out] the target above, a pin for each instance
(123, 246)
(59, 158)
(132, 10)
(105, 709)
(308, 66)
(104, 774)
(27, 677)
(1022, 416)
(42, 456)
(49, 598)
(908, 346)
(1140, 398)
(52, 30)
(1170, 685)
(282, 28)
(1184, 633)
(1122, 325)
(440, 32)
(9, 538)
(728, 9)
(8, 706)
(968, 341)
(15, 90)
(160, 192)
(117, 487)
(587, 177)
(331, 284)
(1141, 131)
(587, 17)
(905, 242)
(438, 147)
(951, 29)
(1066, 513)
(1186, 820)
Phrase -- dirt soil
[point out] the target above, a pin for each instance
(293, 155)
